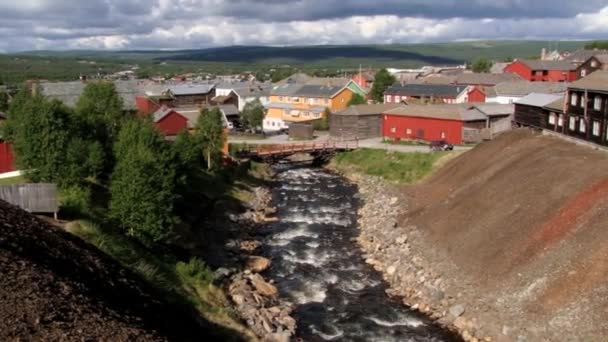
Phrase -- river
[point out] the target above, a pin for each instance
(320, 270)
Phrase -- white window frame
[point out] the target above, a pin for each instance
(582, 126)
(574, 99)
(593, 63)
(551, 118)
(408, 131)
(597, 102)
(572, 123)
(397, 99)
(389, 98)
(583, 72)
(393, 129)
(596, 128)
(560, 120)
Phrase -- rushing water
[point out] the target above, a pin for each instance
(318, 267)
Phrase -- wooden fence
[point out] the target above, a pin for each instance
(35, 198)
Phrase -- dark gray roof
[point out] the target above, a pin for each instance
(580, 56)
(471, 78)
(427, 90)
(318, 91)
(597, 80)
(523, 88)
(287, 89)
(161, 113)
(557, 105)
(191, 89)
(368, 109)
(548, 65)
(440, 111)
(299, 78)
(69, 92)
(491, 109)
(539, 100)
(229, 110)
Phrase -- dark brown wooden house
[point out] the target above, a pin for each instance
(530, 111)
(359, 122)
(593, 64)
(587, 108)
(191, 95)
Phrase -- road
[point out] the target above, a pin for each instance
(375, 143)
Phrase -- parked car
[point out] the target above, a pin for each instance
(441, 145)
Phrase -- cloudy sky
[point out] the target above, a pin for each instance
(186, 24)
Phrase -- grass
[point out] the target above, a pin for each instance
(13, 180)
(183, 282)
(401, 168)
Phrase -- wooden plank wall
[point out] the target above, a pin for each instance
(35, 198)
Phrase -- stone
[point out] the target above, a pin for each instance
(238, 299)
(435, 294)
(457, 310)
(391, 270)
(250, 246)
(394, 200)
(263, 287)
(506, 330)
(257, 264)
(401, 240)
(222, 273)
(460, 323)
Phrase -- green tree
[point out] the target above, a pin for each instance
(482, 65)
(597, 44)
(253, 115)
(323, 123)
(383, 80)
(48, 141)
(356, 100)
(210, 135)
(142, 187)
(3, 101)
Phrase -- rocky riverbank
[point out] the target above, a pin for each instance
(255, 298)
(391, 248)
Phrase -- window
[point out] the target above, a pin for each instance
(408, 131)
(593, 64)
(596, 128)
(582, 126)
(280, 98)
(583, 72)
(393, 130)
(572, 123)
(560, 120)
(397, 99)
(597, 102)
(442, 135)
(311, 101)
(389, 98)
(552, 119)
(574, 99)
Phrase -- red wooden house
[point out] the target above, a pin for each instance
(7, 158)
(543, 71)
(170, 122)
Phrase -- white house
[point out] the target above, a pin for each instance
(246, 92)
(511, 92)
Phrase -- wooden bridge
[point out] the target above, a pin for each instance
(319, 152)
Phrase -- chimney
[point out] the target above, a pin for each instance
(543, 54)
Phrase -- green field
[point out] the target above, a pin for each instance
(326, 59)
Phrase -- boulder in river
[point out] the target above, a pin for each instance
(262, 287)
(257, 264)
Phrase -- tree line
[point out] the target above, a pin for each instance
(98, 144)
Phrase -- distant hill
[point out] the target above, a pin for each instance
(411, 55)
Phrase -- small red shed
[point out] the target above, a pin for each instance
(431, 122)
(477, 95)
(170, 122)
(7, 158)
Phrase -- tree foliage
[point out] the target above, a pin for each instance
(143, 183)
(356, 100)
(253, 115)
(49, 141)
(3, 101)
(597, 44)
(383, 80)
(482, 65)
(323, 123)
(210, 135)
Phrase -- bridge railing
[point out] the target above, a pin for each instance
(291, 148)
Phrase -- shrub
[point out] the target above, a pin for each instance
(75, 201)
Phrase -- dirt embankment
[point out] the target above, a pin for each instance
(56, 287)
(519, 228)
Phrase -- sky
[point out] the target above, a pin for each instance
(194, 24)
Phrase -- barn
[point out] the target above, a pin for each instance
(456, 123)
(358, 122)
(530, 110)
